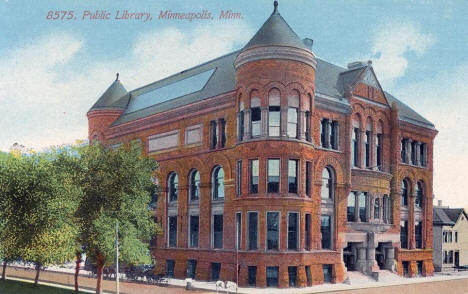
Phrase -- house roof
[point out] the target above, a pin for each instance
(275, 32)
(440, 218)
(454, 213)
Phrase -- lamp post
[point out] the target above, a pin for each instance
(117, 255)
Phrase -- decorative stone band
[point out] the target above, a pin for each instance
(276, 52)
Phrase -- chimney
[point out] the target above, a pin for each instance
(356, 64)
(308, 43)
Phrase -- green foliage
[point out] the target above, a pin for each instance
(37, 206)
(116, 185)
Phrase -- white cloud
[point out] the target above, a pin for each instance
(47, 85)
(391, 43)
(443, 99)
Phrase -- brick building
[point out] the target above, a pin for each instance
(292, 168)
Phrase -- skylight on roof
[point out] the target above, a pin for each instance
(165, 93)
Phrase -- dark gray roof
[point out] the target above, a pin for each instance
(440, 218)
(112, 97)
(275, 31)
(406, 113)
(221, 81)
(454, 213)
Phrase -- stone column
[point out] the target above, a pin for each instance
(371, 206)
(284, 121)
(301, 126)
(301, 276)
(411, 236)
(327, 132)
(361, 259)
(203, 271)
(389, 258)
(264, 132)
(247, 114)
(418, 154)
(408, 151)
(283, 276)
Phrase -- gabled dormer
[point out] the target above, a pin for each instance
(360, 81)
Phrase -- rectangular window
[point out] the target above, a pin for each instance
(293, 232)
(327, 273)
(223, 132)
(413, 153)
(404, 234)
(172, 223)
(218, 231)
(256, 115)
(215, 270)
(323, 132)
(405, 268)
(378, 151)
(170, 265)
(254, 172)
(422, 152)
(239, 178)
(194, 229)
(307, 126)
(253, 230)
(456, 237)
(307, 231)
(362, 207)
(240, 125)
(418, 234)
(292, 274)
(238, 229)
(450, 237)
(213, 134)
(307, 178)
(274, 121)
(334, 135)
(191, 268)
(450, 257)
(308, 275)
(445, 257)
(252, 275)
(367, 151)
(292, 176)
(355, 147)
(273, 230)
(272, 276)
(350, 210)
(403, 150)
(292, 122)
(420, 268)
(325, 230)
(273, 175)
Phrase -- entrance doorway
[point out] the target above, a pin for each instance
(349, 257)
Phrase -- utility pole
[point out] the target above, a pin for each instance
(117, 255)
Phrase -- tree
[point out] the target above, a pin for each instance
(37, 209)
(116, 186)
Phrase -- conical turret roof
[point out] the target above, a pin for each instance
(115, 91)
(275, 32)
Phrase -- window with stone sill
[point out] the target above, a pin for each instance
(217, 183)
(173, 186)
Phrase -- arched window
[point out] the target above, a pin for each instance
(404, 193)
(368, 142)
(217, 180)
(194, 185)
(327, 183)
(419, 195)
(379, 146)
(293, 106)
(173, 186)
(240, 120)
(255, 115)
(377, 208)
(355, 142)
(274, 113)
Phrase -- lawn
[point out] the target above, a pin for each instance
(15, 287)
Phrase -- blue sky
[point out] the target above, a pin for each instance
(52, 71)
